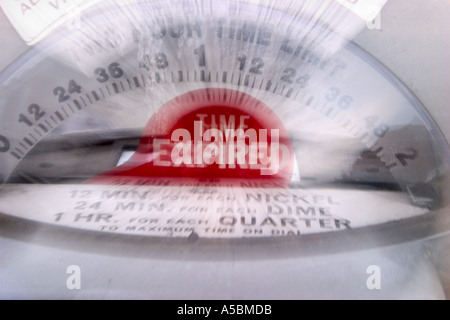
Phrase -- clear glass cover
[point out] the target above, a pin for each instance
(228, 130)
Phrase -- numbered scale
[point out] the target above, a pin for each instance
(228, 128)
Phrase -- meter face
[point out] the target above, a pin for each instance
(213, 122)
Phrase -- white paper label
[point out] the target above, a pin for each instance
(365, 9)
(208, 212)
(34, 19)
